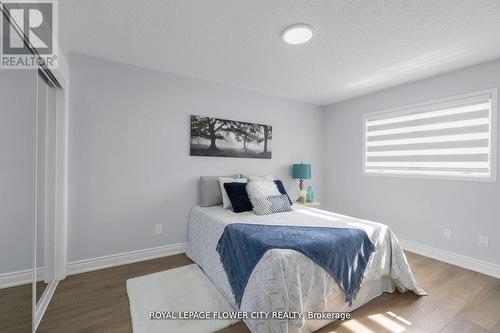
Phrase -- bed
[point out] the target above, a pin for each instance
(288, 281)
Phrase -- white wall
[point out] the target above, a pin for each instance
(416, 209)
(129, 163)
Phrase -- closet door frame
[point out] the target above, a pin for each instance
(56, 233)
(49, 199)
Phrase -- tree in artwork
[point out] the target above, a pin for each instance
(267, 136)
(245, 132)
(209, 128)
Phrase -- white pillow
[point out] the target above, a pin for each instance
(226, 203)
(254, 178)
(262, 188)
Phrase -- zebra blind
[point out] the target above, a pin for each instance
(451, 138)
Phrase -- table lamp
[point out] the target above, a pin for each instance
(301, 171)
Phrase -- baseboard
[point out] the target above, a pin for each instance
(23, 277)
(452, 258)
(119, 259)
(18, 278)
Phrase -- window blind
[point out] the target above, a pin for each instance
(447, 138)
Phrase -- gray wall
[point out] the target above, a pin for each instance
(129, 163)
(17, 105)
(416, 209)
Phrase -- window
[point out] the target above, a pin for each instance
(449, 138)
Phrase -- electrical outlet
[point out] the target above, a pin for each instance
(159, 229)
(447, 233)
(482, 240)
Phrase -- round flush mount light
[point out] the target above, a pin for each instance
(297, 34)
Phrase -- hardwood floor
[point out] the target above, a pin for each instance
(40, 289)
(459, 301)
(15, 307)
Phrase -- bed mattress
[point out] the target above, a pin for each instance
(288, 281)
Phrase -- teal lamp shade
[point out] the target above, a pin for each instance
(301, 171)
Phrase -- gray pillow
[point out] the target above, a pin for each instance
(210, 192)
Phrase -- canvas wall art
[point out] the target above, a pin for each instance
(229, 138)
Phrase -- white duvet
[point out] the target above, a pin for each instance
(286, 280)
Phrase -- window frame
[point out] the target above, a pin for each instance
(408, 108)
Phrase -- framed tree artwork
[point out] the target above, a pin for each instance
(229, 138)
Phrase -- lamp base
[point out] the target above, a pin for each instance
(302, 193)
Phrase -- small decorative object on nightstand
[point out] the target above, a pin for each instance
(301, 171)
(310, 194)
(309, 204)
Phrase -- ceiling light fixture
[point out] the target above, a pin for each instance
(297, 34)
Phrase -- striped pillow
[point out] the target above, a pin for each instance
(264, 205)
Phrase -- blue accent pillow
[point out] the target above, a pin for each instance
(281, 188)
(238, 196)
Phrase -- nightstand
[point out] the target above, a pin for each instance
(308, 204)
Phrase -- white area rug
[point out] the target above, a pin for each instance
(185, 288)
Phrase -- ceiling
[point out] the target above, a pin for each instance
(358, 47)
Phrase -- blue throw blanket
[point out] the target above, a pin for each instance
(343, 252)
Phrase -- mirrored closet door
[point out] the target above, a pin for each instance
(33, 138)
(27, 197)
